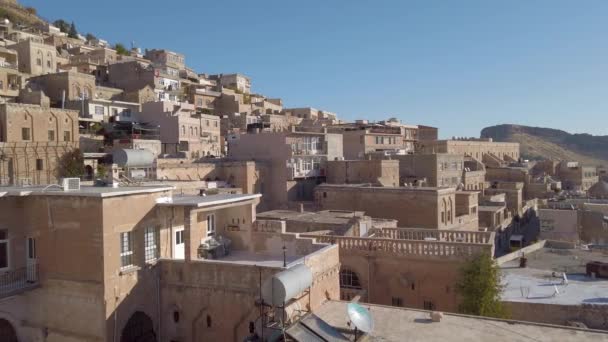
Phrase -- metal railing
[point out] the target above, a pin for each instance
(17, 280)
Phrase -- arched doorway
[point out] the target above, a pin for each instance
(88, 170)
(7, 332)
(139, 328)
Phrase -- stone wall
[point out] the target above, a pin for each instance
(594, 316)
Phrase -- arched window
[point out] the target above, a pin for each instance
(7, 332)
(349, 279)
(196, 131)
(183, 130)
(191, 131)
(77, 91)
(450, 210)
(443, 210)
(87, 93)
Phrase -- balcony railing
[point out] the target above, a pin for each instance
(411, 248)
(15, 281)
(438, 235)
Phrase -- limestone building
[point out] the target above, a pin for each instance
(297, 161)
(32, 141)
(183, 130)
(419, 207)
(498, 153)
(150, 265)
(35, 57)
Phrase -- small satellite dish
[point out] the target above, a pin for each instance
(361, 317)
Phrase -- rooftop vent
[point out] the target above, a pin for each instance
(70, 184)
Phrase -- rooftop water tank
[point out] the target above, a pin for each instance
(133, 158)
(285, 285)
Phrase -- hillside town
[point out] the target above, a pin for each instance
(143, 200)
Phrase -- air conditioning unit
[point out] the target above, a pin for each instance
(70, 184)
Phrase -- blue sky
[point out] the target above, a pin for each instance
(458, 65)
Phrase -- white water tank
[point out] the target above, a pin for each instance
(285, 285)
(133, 158)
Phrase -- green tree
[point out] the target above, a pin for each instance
(73, 33)
(121, 49)
(71, 164)
(90, 37)
(62, 25)
(480, 288)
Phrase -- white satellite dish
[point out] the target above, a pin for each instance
(361, 317)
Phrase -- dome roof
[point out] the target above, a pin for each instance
(599, 189)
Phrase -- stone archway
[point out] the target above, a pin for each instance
(7, 332)
(139, 328)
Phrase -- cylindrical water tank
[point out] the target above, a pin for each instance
(285, 285)
(133, 158)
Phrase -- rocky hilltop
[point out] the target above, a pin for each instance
(541, 143)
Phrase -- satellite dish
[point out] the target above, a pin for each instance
(361, 317)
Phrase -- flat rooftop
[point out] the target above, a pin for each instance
(258, 259)
(537, 283)
(207, 201)
(384, 188)
(400, 324)
(325, 216)
(85, 191)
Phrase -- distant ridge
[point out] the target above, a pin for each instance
(548, 143)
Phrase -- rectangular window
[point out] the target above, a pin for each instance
(396, 301)
(51, 135)
(126, 113)
(25, 133)
(429, 305)
(179, 237)
(210, 224)
(214, 123)
(3, 249)
(66, 136)
(207, 123)
(99, 110)
(126, 250)
(39, 165)
(151, 244)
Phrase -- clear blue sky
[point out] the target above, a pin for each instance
(458, 65)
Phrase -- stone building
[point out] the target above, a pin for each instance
(238, 82)
(73, 85)
(499, 153)
(406, 267)
(358, 143)
(297, 161)
(150, 266)
(11, 79)
(420, 207)
(32, 141)
(35, 58)
(375, 171)
(183, 130)
(575, 176)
